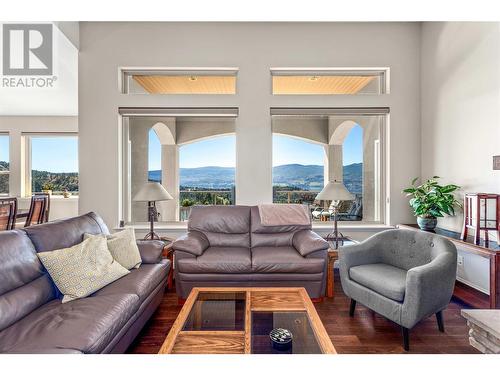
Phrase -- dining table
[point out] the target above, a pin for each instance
(22, 213)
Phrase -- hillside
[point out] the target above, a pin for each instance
(303, 177)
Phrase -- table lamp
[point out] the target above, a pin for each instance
(152, 192)
(336, 192)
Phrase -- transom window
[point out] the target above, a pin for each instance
(332, 81)
(214, 81)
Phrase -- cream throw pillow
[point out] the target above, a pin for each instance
(82, 269)
(123, 247)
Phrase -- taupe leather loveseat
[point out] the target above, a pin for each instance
(32, 317)
(228, 246)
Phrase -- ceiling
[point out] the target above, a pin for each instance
(320, 85)
(185, 84)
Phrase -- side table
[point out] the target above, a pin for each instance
(333, 255)
(168, 253)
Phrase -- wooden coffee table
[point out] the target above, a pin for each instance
(239, 320)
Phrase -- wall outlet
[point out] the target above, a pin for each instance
(460, 261)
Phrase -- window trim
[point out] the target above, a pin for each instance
(26, 156)
(383, 210)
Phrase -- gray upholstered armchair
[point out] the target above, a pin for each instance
(402, 274)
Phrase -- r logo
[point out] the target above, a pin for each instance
(27, 49)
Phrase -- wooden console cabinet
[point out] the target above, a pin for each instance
(490, 251)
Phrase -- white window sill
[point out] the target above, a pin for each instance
(327, 226)
(53, 197)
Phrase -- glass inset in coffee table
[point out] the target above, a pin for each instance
(239, 321)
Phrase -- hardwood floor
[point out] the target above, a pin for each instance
(366, 332)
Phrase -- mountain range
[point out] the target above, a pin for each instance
(298, 176)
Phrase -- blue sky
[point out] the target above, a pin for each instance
(61, 154)
(221, 151)
(54, 154)
(48, 154)
(4, 148)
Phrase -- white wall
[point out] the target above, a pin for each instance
(461, 106)
(59, 100)
(461, 118)
(254, 48)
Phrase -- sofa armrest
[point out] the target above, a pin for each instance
(193, 242)
(151, 250)
(429, 288)
(307, 242)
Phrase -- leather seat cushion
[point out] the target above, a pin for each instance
(284, 259)
(86, 325)
(140, 281)
(384, 279)
(218, 260)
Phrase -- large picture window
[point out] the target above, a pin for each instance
(4, 164)
(311, 149)
(193, 157)
(52, 163)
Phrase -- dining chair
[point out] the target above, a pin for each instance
(38, 210)
(8, 212)
(47, 207)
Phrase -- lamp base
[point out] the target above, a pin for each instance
(151, 236)
(336, 238)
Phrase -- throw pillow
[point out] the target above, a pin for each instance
(123, 247)
(82, 269)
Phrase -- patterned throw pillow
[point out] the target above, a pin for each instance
(82, 269)
(123, 247)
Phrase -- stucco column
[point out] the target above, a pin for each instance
(139, 144)
(334, 169)
(169, 210)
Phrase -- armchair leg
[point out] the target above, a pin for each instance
(406, 338)
(439, 317)
(352, 307)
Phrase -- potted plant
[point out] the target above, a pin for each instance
(431, 200)
(47, 188)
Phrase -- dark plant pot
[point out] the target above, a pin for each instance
(427, 223)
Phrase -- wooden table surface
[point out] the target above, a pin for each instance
(239, 342)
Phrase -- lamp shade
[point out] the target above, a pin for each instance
(151, 192)
(335, 191)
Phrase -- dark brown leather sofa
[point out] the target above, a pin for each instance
(228, 246)
(32, 317)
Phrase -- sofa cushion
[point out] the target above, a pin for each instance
(69, 232)
(86, 325)
(218, 260)
(384, 279)
(284, 259)
(140, 281)
(24, 285)
(222, 225)
(123, 247)
(83, 268)
(279, 235)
